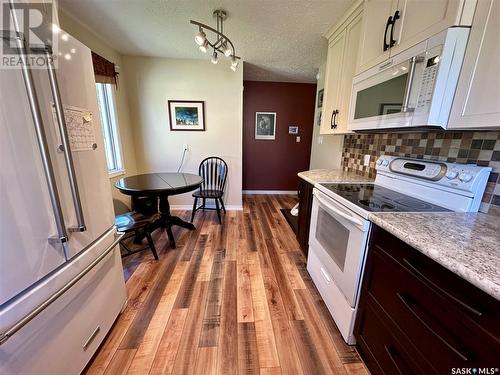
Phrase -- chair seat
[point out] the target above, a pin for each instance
(208, 194)
(131, 221)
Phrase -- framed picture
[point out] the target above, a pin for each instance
(320, 98)
(389, 108)
(293, 130)
(265, 125)
(186, 115)
(319, 118)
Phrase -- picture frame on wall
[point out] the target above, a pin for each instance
(186, 115)
(320, 98)
(265, 125)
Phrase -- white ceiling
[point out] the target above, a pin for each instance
(279, 40)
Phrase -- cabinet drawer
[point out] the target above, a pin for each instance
(383, 347)
(468, 304)
(441, 337)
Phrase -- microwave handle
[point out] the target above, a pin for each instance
(409, 83)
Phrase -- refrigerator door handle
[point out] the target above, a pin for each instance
(62, 235)
(66, 148)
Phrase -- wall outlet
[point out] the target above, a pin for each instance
(186, 147)
(320, 140)
(366, 161)
(297, 139)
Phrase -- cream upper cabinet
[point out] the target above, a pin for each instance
(340, 68)
(391, 26)
(477, 99)
(331, 95)
(421, 19)
(371, 43)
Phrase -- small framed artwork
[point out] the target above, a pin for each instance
(186, 115)
(319, 118)
(320, 98)
(293, 130)
(265, 125)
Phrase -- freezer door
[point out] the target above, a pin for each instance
(26, 215)
(76, 83)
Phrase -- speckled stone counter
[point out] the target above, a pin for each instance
(331, 175)
(467, 244)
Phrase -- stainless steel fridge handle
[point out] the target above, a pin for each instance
(66, 148)
(62, 235)
(4, 336)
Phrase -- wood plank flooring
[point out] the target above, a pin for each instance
(231, 299)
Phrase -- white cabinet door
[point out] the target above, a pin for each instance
(26, 217)
(421, 19)
(477, 100)
(353, 33)
(371, 44)
(332, 83)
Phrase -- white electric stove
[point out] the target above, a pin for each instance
(340, 226)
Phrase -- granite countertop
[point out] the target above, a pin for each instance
(332, 175)
(467, 244)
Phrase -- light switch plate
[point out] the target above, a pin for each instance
(366, 161)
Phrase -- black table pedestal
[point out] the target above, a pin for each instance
(166, 220)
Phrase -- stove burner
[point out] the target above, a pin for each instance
(381, 206)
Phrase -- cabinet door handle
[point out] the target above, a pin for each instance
(434, 285)
(333, 120)
(392, 42)
(389, 23)
(412, 307)
(391, 355)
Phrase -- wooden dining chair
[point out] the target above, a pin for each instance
(135, 225)
(214, 172)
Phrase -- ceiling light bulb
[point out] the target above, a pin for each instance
(200, 37)
(203, 47)
(227, 50)
(234, 62)
(215, 58)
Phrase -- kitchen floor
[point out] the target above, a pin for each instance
(235, 298)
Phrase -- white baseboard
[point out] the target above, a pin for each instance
(270, 192)
(189, 207)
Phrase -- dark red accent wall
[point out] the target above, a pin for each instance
(273, 165)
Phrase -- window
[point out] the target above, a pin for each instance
(107, 109)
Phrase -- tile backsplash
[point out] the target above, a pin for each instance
(477, 147)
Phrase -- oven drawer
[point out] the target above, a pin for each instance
(335, 301)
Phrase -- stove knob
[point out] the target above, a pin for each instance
(379, 161)
(465, 177)
(451, 175)
(385, 163)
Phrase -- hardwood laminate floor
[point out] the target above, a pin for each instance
(231, 299)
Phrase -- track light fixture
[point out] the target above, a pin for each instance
(221, 45)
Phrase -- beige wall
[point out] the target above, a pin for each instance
(151, 82)
(87, 37)
(326, 150)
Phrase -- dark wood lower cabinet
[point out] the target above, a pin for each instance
(304, 220)
(417, 317)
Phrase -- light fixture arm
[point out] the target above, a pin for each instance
(220, 37)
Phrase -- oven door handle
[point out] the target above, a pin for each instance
(338, 212)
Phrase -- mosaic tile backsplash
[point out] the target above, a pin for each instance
(477, 147)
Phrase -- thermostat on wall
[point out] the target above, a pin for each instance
(293, 130)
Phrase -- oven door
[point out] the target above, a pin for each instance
(338, 238)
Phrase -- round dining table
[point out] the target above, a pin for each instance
(161, 185)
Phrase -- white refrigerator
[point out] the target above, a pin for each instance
(61, 278)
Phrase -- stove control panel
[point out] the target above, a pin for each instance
(468, 177)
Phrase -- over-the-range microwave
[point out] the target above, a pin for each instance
(414, 88)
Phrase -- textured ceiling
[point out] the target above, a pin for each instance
(279, 40)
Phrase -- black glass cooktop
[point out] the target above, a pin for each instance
(376, 198)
